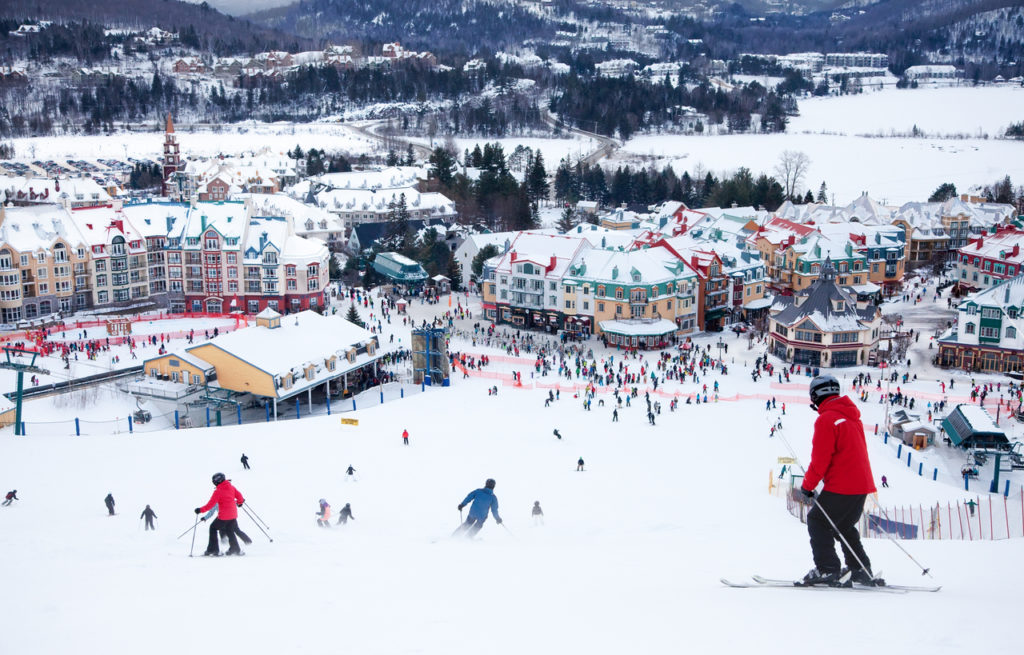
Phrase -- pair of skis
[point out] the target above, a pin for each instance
(760, 581)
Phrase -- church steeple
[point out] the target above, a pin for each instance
(172, 157)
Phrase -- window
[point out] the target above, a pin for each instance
(989, 332)
(618, 293)
(102, 297)
(586, 305)
(292, 286)
(600, 306)
(969, 328)
(805, 335)
(313, 270)
(618, 310)
(289, 270)
(232, 258)
(101, 266)
(1011, 333)
(990, 312)
(554, 286)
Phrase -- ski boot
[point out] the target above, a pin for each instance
(829, 578)
(863, 577)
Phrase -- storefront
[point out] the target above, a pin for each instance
(646, 334)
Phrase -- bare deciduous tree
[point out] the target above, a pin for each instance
(791, 169)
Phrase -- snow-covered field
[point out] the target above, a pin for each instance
(231, 140)
(629, 559)
(963, 110)
(893, 170)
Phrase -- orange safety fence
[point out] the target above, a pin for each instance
(31, 334)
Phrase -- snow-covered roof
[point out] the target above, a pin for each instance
(1004, 246)
(38, 227)
(541, 249)
(979, 419)
(302, 339)
(826, 305)
(639, 327)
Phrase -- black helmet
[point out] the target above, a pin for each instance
(490, 483)
(822, 387)
(218, 478)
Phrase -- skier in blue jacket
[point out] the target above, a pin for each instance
(483, 500)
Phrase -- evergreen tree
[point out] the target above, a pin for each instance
(477, 266)
(537, 179)
(444, 166)
(823, 194)
(809, 198)
(392, 158)
(454, 271)
(945, 191)
(353, 316)
(410, 157)
(568, 220)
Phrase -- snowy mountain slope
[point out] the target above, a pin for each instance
(629, 558)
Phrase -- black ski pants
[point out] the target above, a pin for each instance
(149, 523)
(226, 528)
(845, 512)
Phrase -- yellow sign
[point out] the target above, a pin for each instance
(786, 460)
(350, 421)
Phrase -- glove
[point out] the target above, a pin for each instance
(808, 493)
(197, 510)
(460, 507)
(240, 504)
(202, 519)
(498, 520)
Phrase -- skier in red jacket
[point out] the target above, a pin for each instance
(228, 500)
(839, 456)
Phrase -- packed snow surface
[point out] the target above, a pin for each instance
(629, 558)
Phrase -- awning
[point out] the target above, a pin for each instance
(714, 313)
(866, 288)
(639, 328)
(760, 303)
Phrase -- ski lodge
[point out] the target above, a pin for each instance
(970, 426)
(279, 358)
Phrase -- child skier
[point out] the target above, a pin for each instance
(324, 520)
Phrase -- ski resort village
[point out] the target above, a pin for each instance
(505, 327)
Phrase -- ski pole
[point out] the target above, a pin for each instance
(822, 509)
(255, 516)
(249, 514)
(190, 548)
(507, 530)
(187, 531)
(924, 570)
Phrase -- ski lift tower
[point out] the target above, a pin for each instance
(430, 356)
(21, 368)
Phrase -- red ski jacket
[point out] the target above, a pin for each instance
(839, 452)
(227, 499)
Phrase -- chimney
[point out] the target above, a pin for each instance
(981, 242)
(263, 239)
(1016, 250)
(202, 221)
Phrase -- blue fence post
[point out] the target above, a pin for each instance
(899, 451)
(382, 396)
(267, 407)
(78, 428)
(401, 392)
(298, 406)
(130, 430)
(423, 386)
(886, 438)
(920, 468)
(328, 404)
(908, 458)
(239, 414)
(967, 482)
(207, 417)
(1007, 492)
(176, 426)
(935, 474)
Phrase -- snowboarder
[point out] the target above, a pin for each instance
(405, 437)
(558, 434)
(109, 502)
(228, 500)
(324, 520)
(245, 461)
(149, 515)
(10, 497)
(839, 456)
(483, 500)
(579, 465)
(345, 514)
(538, 513)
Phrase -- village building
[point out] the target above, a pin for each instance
(117, 251)
(989, 260)
(970, 426)
(823, 325)
(987, 334)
